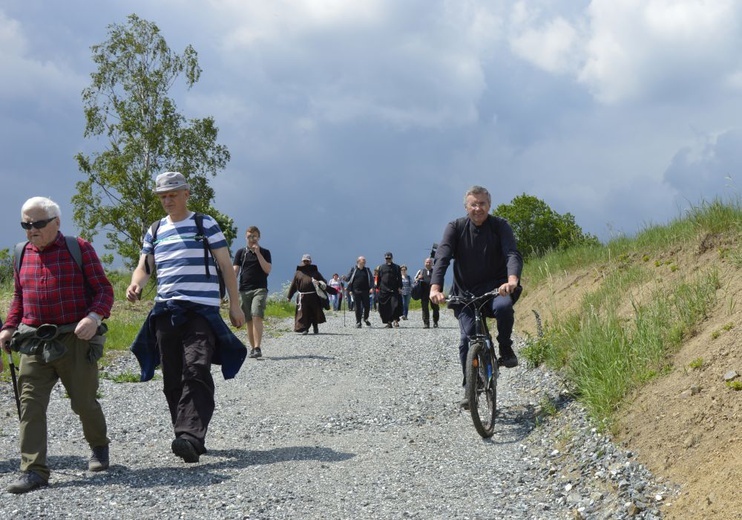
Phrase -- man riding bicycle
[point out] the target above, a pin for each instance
(485, 258)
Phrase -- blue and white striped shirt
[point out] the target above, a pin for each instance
(179, 259)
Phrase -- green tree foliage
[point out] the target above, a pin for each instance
(539, 229)
(6, 267)
(127, 107)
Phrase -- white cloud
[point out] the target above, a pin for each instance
(24, 76)
(415, 64)
(549, 47)
(637, 47)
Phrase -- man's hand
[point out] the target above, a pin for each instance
(5, 337)
(436, 296)
(5, 343)
(236, 316)
(133, 292)
(86, 328)
(508, 287)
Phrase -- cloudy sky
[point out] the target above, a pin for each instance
(356, 127)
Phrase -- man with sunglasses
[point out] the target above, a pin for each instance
(54, 321)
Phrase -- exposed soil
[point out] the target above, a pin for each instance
(684, 425)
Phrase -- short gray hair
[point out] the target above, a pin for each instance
(51, 208)
(478, 190)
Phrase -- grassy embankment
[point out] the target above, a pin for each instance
(623, 329)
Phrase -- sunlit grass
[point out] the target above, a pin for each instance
(606, 354)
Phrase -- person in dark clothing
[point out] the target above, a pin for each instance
(389, 288)
(423, 275)
(252, 265)
(308, 304)
(485, 258)
(360, 284)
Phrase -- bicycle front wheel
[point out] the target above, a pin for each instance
(481, 389)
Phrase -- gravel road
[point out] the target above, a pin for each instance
(349, 423)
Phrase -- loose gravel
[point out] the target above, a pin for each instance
(349, 423)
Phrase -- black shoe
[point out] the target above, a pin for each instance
(252, 353)
(435, 325)
(368, 323)
(396, 323)
(99, 459)
(185, 450)
(426, 325)
(315, 329)
(464, 404)
(358, 325)
(28, 481)
(304, 332)
(507, 358)
(388, 326)
(256, 353)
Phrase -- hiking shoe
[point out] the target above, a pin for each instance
(252, 353)
(507, 358)
(435, 325)
(426, 325)
(185, 450)
(388, 326)
(358, 325)
(396, 323)
(368, 323)
(256, 353)
(28, 481)
(99, 459)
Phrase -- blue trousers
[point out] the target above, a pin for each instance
(501, 308)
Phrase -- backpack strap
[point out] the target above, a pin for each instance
(199, 218)
(155, 227)
(73, 247)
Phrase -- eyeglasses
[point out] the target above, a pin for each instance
(253, 237)
(39, 224)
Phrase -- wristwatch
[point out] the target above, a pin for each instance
(97, 318)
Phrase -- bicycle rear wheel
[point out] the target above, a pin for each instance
(481, 389)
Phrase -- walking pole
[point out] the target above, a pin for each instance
(344, 304)
(15, 383)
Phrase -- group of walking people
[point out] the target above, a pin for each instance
(62, 295)
(389, 285)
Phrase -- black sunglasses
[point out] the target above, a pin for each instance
(39, 224)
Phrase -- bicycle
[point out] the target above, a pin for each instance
(482, 367)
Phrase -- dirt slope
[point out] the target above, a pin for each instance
(685, 425)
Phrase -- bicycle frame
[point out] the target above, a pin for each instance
(481, 381)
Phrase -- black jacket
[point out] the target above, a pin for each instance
(483, 256)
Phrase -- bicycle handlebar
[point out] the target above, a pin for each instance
(471, 300)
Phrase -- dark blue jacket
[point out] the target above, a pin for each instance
(230, 352)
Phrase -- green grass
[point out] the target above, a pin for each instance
(605, 352)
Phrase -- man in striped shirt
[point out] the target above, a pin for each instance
(54, 321)
(189, 332)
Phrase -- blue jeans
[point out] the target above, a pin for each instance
(405, 304)
(501, 308)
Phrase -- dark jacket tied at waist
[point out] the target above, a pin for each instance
(229, 352)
